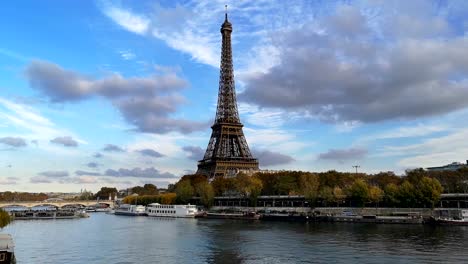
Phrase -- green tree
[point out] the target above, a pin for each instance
(104, 193)
(147, 189)
(5, 218)
(206, 193)
(184, 191)
(359, 192)
(286, 184)
(430, 190)
(406, 194)
(86, 195)
(391, 195)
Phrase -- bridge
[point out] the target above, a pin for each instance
(57, 203)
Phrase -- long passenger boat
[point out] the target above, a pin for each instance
(171, 210)
(130, 210)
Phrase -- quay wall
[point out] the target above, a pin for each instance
(425, 212)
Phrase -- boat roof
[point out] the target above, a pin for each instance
(6, 243)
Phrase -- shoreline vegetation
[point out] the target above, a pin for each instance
(416, 189)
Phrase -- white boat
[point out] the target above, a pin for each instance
(7, 249)
(129, 209)
(171, 210)
(450, 216)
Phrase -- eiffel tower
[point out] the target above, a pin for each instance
(227, 152)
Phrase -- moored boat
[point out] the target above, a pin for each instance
(44, 212)
(379, 219)
(233, 215)
(130, 210)
(171, 210)
(285, 216)
(7, 249)
(450, 217)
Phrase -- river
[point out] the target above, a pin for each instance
(104, 238)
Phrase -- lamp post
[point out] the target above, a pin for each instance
(356, 167)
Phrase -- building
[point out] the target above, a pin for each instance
(449, 167)
(227, 152)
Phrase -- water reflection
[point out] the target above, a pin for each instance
(119, 239)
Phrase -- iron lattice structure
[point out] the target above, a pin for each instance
(227, 152)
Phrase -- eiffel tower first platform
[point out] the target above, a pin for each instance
(227, 152)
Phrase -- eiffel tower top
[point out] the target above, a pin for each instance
(226, 111)
(226, 25)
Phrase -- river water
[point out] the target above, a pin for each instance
(104, 238)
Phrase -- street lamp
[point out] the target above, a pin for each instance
(356, 167)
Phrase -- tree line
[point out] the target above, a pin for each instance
(418, 188)
(22, 196)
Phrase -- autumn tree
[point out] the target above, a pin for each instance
(326, 194)
(248, 186)
(206, 193)
(5, 218)
(184, 191)
(375, 194)
(359, 192)
(338, 195)
(309, 186)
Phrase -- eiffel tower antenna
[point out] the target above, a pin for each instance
(228, 152)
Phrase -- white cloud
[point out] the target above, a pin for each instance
(431, 152)
(127, 55)
(419, 130)
(130, 21)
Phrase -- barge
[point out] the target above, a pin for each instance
(7, 249)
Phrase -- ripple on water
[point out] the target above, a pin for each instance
(106, 238)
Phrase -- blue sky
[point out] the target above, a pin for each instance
(122, 93)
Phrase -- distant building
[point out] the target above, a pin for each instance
(449, 167)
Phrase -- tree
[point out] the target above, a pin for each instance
(406, 194)
(184, 191)
(86, 195)
(147, 189)
(359, 192)
(206, 193)
(430, 190)
(104, 193)
(375, 194)
(309, 186)
(338, 195)
(242, 184)
(326, 193)
(222, 185)
(256, 187)
(5, 218)
(391, 195)
(286, 184)
(248, 186)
